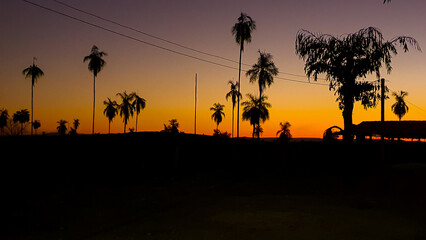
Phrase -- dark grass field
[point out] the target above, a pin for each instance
(160, 186)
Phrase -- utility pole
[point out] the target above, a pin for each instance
(195, 118)
(382, 96)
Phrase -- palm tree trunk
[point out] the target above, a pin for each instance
(93, 119)
(233, 111)
(125, 123)
(109, 127)
(347, 120)
(136, 127)
(254, 129)
(258, 132)
(32, 104)
(239, 91)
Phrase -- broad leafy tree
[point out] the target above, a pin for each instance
(345, 60)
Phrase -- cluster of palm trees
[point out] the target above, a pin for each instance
(62, 127)
(263, 72)
(130, 104)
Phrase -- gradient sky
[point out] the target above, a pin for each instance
(166, 80)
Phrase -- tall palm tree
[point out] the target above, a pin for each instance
(22, 117)
(400, 108)
(256, 110)
(242, 30)
(34, 73)
(263, 71)
(234, 94)
(62, 127)
(284, 132)
(345, 60)
(110, 111)
(126, 108)
(138, 104)
(218, 114)
(96, 63)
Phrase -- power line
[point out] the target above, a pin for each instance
(145, 33)
(163, 39)
(155, 45)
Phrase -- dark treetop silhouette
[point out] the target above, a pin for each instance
(242, 32)
(62, 127)
(34, 73)
(139, 104)
(256, 110)
(263, 71)
(126, 108)
(400, 108)
(217, 114)
(346, 59)
(22, 117)
(284, 132)
(110, 111)
(173, 126)
(96, 63)
(234, 94)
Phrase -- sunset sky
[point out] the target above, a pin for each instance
(166, 80)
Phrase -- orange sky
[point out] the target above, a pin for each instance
(166, 80)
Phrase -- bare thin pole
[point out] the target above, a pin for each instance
(382, 88)
(195, 117)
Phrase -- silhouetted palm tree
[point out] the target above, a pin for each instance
(96, 63)
(217, 113)
(75, 124)
(173, 126)
(258, 130)
(255, 110)
(138, 104)
(110, 112)
(62, 127)
(234, 95)
(126, 107)
(242, 32)
(284, 132)
(22, 117)
(36, 125)
(34, 73)
(263, 71)
(346, 59)
(4, 116)
(400, 108)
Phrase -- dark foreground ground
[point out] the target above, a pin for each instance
(159, 186)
